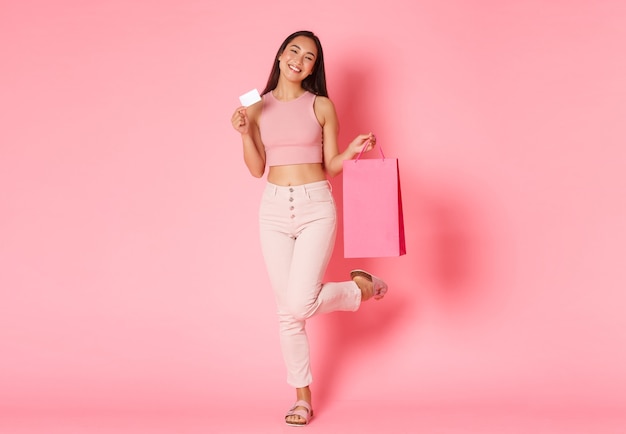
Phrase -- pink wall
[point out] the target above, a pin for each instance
(130, 269)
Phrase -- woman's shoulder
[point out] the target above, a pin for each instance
(323, 103)
(323, 99)
(324, 110)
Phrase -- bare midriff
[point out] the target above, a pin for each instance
(296, 174)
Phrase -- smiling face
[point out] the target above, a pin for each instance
(297, 61)
(300, 61)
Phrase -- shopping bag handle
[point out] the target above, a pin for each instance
(380, 148)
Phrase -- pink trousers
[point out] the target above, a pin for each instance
(298, 225)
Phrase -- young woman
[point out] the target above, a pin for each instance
(293, 131)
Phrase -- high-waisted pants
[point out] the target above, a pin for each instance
(298, 226)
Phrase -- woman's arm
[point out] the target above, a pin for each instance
(333, 160)
(245, 121)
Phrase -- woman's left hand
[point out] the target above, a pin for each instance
(367, 141)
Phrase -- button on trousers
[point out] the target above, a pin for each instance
(298, 226)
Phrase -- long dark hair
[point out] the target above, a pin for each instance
(314, 83)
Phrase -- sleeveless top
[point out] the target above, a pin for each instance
(290, 131)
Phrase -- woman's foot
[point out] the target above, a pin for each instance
(299, 414)
(370, 285)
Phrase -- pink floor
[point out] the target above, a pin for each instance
(334, 417)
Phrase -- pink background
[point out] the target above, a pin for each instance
(131, 280)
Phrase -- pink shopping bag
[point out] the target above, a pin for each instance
(372, 208)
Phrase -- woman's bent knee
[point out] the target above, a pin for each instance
(301, 311)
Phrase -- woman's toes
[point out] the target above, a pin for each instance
(295, 419)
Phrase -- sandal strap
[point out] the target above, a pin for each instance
(304, 414)
(301, 403)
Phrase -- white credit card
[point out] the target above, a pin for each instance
(249, 98)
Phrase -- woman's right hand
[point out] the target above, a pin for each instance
(240, 120)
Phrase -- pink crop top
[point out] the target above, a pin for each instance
(290, 131)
